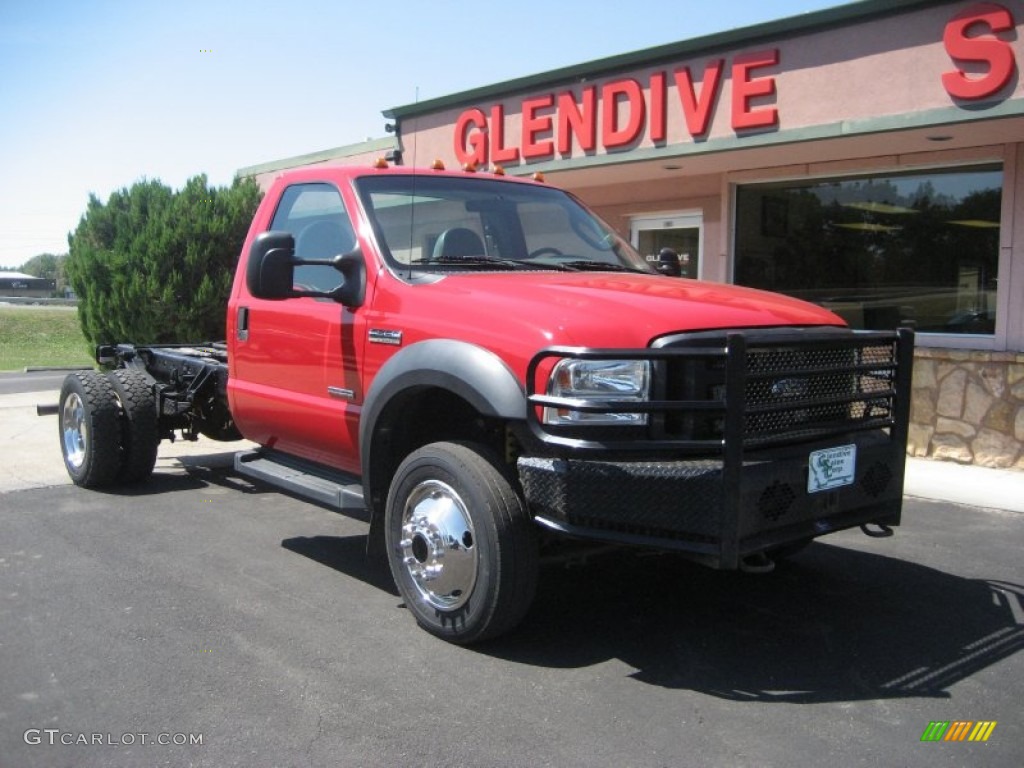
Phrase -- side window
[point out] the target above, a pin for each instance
(315, 215)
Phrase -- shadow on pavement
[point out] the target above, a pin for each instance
(347, 555)
(200, 471)
(833, 624)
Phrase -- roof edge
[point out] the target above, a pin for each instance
(323, 156)
(860, 10)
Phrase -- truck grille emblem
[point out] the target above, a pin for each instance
(789, 388)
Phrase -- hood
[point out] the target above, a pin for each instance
(613, 309)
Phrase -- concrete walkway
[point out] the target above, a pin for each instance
(965, 484)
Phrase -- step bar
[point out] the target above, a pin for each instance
(334, 488)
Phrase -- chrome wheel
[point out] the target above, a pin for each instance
(460, 543)
(438, 545)
(74, 430)
(89, 429)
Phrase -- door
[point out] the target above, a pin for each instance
(683, 232)
(296, 359)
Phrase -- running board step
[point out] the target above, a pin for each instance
(331, 487)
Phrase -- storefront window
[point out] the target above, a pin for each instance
(916, 249)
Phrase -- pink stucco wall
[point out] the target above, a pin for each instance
(837, 77)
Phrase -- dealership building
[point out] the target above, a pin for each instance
(867, 157)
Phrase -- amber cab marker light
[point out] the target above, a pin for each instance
(469, 167)
(380, 162)
(538, 176)
(437, 165)
(498, 170)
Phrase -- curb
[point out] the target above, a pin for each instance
(56, 368)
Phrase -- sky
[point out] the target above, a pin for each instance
(95, 96)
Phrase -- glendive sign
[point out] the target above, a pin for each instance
(622, 112)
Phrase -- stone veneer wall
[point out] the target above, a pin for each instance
(968, 407)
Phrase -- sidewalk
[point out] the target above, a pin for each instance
(965, 484)
(30, 458)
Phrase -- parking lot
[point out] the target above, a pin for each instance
(203, 608)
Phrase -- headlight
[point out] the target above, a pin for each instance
(597, 381)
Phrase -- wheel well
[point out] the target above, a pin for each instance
(418, 416)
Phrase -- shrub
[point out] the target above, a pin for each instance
(154, 265)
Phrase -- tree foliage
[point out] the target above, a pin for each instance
(45, 265)
(154, 265)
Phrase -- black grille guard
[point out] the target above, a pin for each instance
(726, 393)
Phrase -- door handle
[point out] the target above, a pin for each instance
(242, 327)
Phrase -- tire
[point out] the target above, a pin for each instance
(461, 546)
(140, 435)
(90, 429)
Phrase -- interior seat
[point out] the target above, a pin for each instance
(457, 243)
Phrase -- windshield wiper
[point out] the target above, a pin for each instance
(473, 261)
(586, 265)
(578, 265)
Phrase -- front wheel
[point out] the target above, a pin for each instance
(461, 546)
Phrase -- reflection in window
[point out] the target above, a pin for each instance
(315, 214)
(917, 249)
(523, 226)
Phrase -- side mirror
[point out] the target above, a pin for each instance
(270, 273)
(271, 268)
(668, 263)
(352, 292)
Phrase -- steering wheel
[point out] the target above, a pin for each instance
(544, 252)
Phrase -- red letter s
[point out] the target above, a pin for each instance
(996, 53)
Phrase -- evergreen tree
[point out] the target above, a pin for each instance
(45, 265)
(155, 266)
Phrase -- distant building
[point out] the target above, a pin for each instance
(17, 284)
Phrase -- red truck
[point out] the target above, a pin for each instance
(490, 372)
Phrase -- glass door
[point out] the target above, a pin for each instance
(682, 232)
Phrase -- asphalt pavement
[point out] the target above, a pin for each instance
(245, 627)
(14, 383)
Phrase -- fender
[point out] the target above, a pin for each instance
(473, 373)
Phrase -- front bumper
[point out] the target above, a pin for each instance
(715, 516)
(720, 470)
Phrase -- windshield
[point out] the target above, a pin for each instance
(445, 223)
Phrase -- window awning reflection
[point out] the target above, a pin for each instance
(873, 207)
(866, 226)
